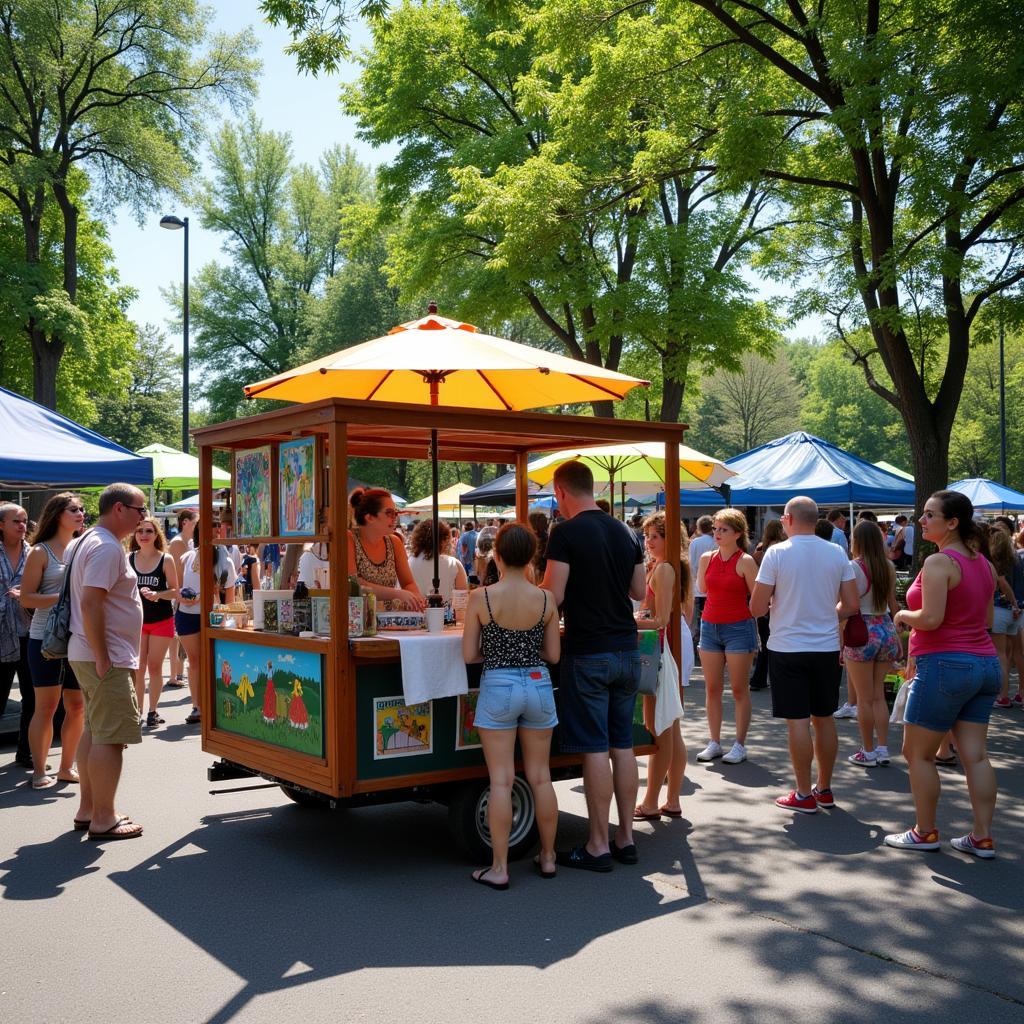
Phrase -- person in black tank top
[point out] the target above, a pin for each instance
(158, 585)
(512, 627)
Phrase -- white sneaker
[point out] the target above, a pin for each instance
(736, 754)
(710, 752)
(846, 711)
(864, 758)
(882, 755)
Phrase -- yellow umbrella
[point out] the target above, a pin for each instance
(434, 358)
(445, 362)
(636, 463)
(447, 501)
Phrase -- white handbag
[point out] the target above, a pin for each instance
(668, 708)
(900, 704)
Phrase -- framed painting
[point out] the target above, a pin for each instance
(400, 729)
(321, 615)
(270, 694)
(252, 492)
(297, 487)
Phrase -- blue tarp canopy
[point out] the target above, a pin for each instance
(802, 464)
(41, 448)
(989, 496)
(500, 491)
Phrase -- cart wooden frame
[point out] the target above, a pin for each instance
(344, 428)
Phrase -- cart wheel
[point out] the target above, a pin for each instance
(305, 799)
(467, 819)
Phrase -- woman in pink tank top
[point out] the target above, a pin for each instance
(957, 673)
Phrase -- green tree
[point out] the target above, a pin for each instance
(280, 231)
(148, 410)
(838, 407)
(96, 331)
(896, 130)
(739, 411)
(569, 198)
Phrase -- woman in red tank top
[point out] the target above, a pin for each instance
(957, 673)
(728, 632)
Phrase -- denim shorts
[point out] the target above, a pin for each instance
(952, 687)
(516, 698)
(597, 694)
(729, 637)
(1003, 621)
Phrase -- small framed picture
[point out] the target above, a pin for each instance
(321, 615)
(271, 622)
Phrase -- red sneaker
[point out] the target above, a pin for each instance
(1018, 698)
(1002, 702)
(794, 802)
(824, 798)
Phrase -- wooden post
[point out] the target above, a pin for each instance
(522, 488)
(204, 691)
(339, 685)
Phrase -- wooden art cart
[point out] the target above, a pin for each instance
(326, 718)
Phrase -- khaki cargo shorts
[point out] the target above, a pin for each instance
(111, 707)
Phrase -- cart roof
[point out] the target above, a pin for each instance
(392, 430)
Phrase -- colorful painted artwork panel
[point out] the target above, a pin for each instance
(252, 493)
(401, 730)
(297, 487)
(270, 694)
(466, 735)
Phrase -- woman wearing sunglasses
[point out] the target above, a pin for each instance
(378, 556)
(62, 519)
(157, 571)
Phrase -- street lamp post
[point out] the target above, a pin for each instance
(1002, 400)
(176, 224)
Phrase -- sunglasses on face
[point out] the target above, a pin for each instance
(141, 509)
(146, 531)
(74, 509)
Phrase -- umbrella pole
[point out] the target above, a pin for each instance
(435, 597)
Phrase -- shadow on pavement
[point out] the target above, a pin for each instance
(286, 895)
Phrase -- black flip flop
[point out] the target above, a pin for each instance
(670, 814)
(580, 857)
(112, 834)
(483, 881)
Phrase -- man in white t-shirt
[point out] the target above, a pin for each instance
(103, 651)
(809, 585)
(703, 541)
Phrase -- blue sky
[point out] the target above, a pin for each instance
(149, 259)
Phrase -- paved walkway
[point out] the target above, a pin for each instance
(244, 907)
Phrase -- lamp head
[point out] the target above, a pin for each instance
(172, 223)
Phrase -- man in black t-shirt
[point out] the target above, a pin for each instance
(595, 564)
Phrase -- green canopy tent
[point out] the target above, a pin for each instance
(177, 471)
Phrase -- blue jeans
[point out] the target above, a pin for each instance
(952, 687)
(597, 693)
(512, 698)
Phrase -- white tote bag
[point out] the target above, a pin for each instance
(668, 708)
(900, 704)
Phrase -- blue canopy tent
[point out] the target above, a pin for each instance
(802, 464)
(989, 496)
(43, 449)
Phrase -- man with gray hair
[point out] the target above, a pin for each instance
(103, 650)
(809, 585)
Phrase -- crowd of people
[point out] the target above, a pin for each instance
(788, 614)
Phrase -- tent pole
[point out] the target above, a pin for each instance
(435, 596)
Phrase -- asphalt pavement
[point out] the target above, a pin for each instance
(244, 907)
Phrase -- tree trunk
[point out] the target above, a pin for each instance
(46, 356)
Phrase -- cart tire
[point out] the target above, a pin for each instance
(304, 799)
(467, 819)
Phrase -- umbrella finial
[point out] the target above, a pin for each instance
(432, 308)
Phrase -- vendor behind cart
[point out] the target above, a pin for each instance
(379, 557)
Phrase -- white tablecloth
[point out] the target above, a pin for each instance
(432, 665)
